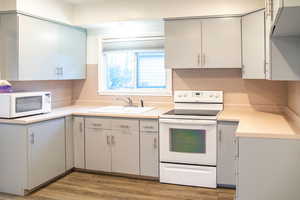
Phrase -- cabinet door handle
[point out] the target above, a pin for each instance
(108, 139)
(113, 140)
(203, 59)
(81, 127)
(220, 135)
(32, 138)
(155, 145)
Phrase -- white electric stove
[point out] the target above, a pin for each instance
(188, 139)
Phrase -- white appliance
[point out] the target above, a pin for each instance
(188, 139)
(21, 104)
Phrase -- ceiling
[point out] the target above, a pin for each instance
(82, 1)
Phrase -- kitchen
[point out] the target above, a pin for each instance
(216, 116)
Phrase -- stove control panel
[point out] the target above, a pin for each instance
(198, 96)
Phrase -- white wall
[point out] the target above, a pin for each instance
(6, 5)
(116, 10)
(57, 10)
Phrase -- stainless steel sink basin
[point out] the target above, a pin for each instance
(121, 110)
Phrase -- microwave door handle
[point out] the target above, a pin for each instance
(189, 122)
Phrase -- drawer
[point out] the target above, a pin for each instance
(149, 126)
(191, 175)
(125, 124)
(100, 123)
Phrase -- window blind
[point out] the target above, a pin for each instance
(133, 44)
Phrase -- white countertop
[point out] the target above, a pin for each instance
(82, 111)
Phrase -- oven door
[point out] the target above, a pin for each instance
(188, 141)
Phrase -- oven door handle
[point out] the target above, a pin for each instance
(189, 122)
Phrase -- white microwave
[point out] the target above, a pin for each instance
(21, 104)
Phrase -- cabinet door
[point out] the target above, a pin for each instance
(183, 43)
(226, 154)
(46, 151)
(149, 154)
(125, 151)
(79, 136)
(222, 43)
(253, 34)
(38, 49)
(69, 143)
(98, 149)
(268, 169)
(72, 52)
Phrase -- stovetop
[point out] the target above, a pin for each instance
(200, 114)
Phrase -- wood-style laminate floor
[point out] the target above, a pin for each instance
(83, 186)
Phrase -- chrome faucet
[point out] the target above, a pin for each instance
(127, 100)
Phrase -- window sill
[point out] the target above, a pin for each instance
(135, 93)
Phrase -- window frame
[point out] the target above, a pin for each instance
(102, 90)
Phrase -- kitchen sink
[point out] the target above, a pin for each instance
(121, 109)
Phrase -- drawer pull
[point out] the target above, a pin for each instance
(98, 125)
(148, 127)
(124, 126)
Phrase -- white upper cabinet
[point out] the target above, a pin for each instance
(253, 34)
(203, 43)
(36, 49)
(183, 43)
(72, 54)
(221, 43)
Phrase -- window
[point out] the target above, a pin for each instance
(134, 71)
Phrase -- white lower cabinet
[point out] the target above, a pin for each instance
(46, 151)
(79, 137)
(268, 169)
(112, 145)
(69, 143)
(125, 151)
(97, 144)
(31, 155)
(226, 154)
(149, 161)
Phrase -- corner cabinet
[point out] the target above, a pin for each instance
(203, 43)
(226, 154)
(253, 34)
(36, 49)
(31, 155)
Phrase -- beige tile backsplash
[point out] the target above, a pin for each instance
(261, 94)
(61, 90)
